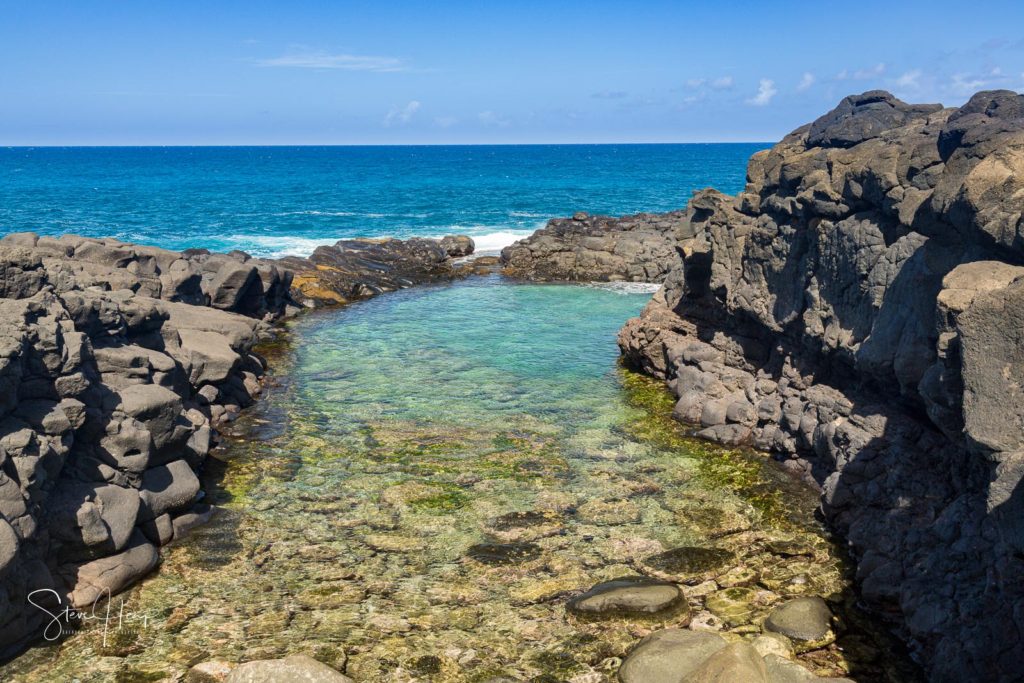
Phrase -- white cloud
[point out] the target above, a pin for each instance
(862, 74)
(610, 95)
(446, 121)
(721, 83)
(765, 92)
(806, 81)
(964, 84)
(489, 118)
(402, 115)
(911, 79)
(324, 60)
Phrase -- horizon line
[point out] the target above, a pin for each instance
(417, 144)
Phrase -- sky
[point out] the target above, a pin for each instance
(302, 72)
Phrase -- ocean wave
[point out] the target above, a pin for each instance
(273, 246)
(487, 243)
(314, 212)
(627, 287)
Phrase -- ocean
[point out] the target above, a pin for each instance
(277, 201)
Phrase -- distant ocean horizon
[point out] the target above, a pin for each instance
(287, 200)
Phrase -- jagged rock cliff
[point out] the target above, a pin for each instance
(117, 364)
(859, 311)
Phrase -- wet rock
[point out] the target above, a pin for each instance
(774, 644)
(669, 656)
(293, 669)
(808, 621)
(782, 670)
(734, 662)
(629, 596)
(690, 564)
(457, 246)
(214, 671)
(109, 575)
(504, 553)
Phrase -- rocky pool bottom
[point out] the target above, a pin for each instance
(432, 484)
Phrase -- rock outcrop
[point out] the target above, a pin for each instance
(638, 248)
(358, 268)
(117, 364)
(857, 311)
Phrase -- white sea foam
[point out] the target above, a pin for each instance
(278, 246)
(494, 242)
(627, 287)
(272, 246)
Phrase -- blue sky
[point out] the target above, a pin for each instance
(305, 72)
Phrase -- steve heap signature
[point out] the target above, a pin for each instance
(65, 619)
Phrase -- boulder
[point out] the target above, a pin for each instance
(293, 669)
(669, 656)
(628, 596)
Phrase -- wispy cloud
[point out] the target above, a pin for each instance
(965, 84)
(806, 81)
(766, 91)
(610, 95)
(911, 80)
(402, 115)
(446, 121)
(721, 83)
(490, 118)
(325, 60)
(876, 71)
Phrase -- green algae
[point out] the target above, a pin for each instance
(738, 471)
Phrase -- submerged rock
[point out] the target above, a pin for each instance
(629, 596)
(504, 553)
(691, 564)
(669, 656)
(808, 621)
(733, 663)
(293, 669)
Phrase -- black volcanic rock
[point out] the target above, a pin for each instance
(638, 248)
(856, 311)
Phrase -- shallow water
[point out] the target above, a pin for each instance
(432, 474)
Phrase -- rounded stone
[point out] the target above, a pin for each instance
(628, 596)
(803, 619)
(669, 656)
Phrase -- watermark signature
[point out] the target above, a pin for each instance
(64, 619)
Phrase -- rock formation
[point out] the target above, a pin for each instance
(358, 268)
(117, 364)
(638, 248)
(857, 311)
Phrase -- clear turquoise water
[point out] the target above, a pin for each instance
(489, 351)
(273, 201)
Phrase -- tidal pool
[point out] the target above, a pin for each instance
(432, 474)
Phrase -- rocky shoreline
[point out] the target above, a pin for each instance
(118, 364)
(856, 312)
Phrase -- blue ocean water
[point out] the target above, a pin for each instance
(272, 201)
